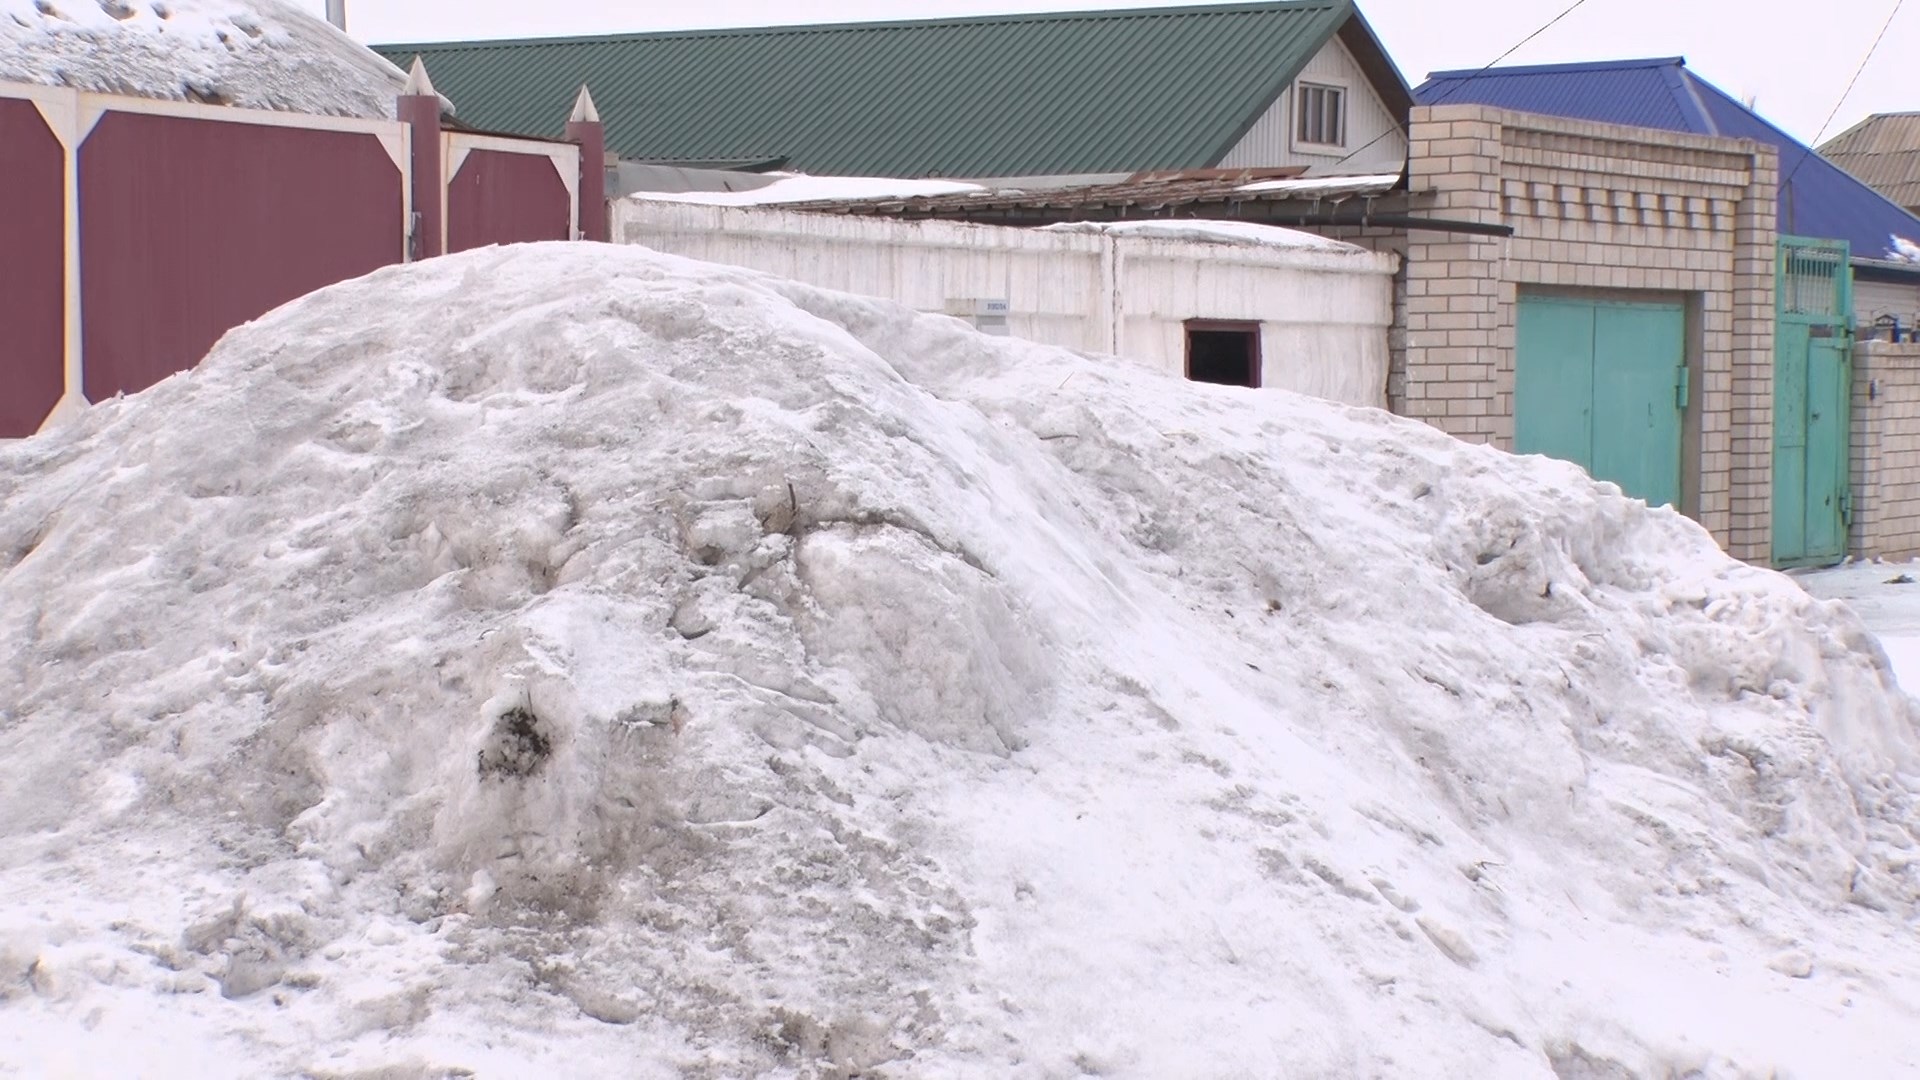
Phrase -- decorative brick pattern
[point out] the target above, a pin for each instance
(1601, 209)
(1886, 451)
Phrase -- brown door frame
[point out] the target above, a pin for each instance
(1236, 326)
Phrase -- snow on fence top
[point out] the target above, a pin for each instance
(256, 54)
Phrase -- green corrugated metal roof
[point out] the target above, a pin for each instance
(1014, 95)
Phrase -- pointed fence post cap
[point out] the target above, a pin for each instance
(583, 110)
(418, 85)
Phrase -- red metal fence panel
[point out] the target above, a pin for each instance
(194, 219)
(33, 240)
(498, 197)
(190, 227)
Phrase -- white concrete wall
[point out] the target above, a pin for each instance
(1270, 141)
(1323, 331)
(1324, 315)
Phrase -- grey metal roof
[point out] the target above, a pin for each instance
(1034, 94)
(1884, 152)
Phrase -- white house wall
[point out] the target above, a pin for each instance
(1270, 141)
(1324, 316)
(1872, 299)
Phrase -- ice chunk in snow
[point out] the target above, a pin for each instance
(570, 660)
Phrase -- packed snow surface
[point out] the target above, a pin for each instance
(1213, 232)
(567, 660)
(256, 54)
(1886, 596)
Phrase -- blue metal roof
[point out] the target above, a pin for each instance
(1820, 200)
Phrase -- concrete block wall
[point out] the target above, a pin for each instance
(1886, 451)
(1607, 211)
(1325, 316)
(1391, 241)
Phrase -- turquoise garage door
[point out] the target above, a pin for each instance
(1602, 383)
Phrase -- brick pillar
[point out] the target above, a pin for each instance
(584, 127)
(1452, 373)
(419, 107)
(1754, 253)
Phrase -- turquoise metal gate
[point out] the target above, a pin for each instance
(1812, 385)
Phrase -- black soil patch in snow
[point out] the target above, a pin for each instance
(517, 748)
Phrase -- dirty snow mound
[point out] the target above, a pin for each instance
(255, 54)
(570, 660)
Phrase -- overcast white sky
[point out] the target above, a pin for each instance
(1794, 58)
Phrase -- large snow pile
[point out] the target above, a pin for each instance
(256, 54)
(567, 660)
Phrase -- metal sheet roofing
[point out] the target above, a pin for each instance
(1817, 198)
(1038, 94)
(1884, 152)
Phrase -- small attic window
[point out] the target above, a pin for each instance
(1323, 115)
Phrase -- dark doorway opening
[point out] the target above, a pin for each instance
(1227, 353)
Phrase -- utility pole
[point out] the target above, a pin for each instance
(337, 14)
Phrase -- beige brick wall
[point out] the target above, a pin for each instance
(1611, 211)
(1886, 451)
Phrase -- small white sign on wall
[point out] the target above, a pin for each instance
(987, 314)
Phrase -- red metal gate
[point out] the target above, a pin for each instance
(33, 306)
(505, 191)
(190, 227)
(135, 232)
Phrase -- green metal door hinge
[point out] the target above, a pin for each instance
(1680, 388)
(1846, 508)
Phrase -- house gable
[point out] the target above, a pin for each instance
(1058, 93)
(1374, 140)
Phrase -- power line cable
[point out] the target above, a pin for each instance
(1807, 151)
(1548, 25)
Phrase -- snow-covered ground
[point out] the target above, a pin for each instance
(567, 660)
(256, 54)
(1886, 596)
